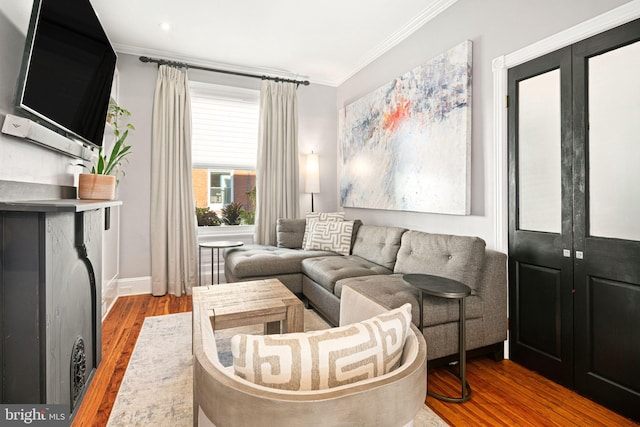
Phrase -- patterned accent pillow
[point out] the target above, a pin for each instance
(319, 216)
(323, 359)
(334, 236)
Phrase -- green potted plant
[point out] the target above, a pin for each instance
(100, 184)
(232, 213)
(206, 217)
(249, 214)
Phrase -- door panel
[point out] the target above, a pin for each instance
(540, 220)
(613, 316)
(539, 320)
(607, 231)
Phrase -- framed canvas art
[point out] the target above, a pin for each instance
(407, 145)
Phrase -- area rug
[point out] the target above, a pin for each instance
(157, 387)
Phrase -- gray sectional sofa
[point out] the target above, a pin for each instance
(379, 257)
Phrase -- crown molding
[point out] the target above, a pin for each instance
(426, 15)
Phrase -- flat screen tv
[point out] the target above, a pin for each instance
(67, 69)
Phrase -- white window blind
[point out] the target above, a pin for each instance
(225, 126)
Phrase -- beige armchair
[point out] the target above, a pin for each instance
(222, 399)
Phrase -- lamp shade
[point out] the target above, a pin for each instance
(312, 174)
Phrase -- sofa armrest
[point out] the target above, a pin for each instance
(493, 291)
(290, 232)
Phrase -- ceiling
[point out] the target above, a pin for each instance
(326, 42)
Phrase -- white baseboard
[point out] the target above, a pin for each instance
(123, 287)
(134, 286)
(109, 296)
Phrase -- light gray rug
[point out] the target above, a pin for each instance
(157, 387)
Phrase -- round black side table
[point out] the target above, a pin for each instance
(213, 245)
(443, 287)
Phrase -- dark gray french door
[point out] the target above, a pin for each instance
(574, 217)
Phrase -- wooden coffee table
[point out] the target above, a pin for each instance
(248, 303)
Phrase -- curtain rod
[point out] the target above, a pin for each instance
(216, 70)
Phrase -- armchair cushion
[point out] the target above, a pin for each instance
(323, 359)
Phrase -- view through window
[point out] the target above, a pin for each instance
(224, 151)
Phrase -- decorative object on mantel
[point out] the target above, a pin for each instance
(406, 146)
(96, 187)
(101, 183)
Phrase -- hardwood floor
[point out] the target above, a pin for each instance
(507, 394)
(119, 335)
(504, 393)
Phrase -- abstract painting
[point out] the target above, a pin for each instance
(406, 146)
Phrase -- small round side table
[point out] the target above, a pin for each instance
(213, 245)
(443, 287)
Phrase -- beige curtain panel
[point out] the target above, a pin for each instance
(277, 194)
(173, 227)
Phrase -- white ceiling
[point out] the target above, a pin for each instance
(324, 41)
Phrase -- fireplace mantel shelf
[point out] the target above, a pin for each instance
(57, 205)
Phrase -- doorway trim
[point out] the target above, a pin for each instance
(500, 66)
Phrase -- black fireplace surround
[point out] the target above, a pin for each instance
(50, 297)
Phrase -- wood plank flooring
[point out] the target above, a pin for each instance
(504, 393)
(120, 332)
(507, 394)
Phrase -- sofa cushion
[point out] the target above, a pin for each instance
(456, 257)
(323, 359)
(289, 233)
(334, 236)
(262, 260)
(326, 271)
(319, 216)
(378, 244)
(391, 291)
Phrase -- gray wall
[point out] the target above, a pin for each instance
(137, 83)
(496, 27)
(317, 132)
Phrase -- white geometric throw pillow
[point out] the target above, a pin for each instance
(319, 216)
(323, 359)
(334, 236)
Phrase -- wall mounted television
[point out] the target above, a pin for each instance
(67, 69)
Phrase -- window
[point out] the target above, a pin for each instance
(220, 186)
(224, 145)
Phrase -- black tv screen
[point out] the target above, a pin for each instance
(67, 69)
